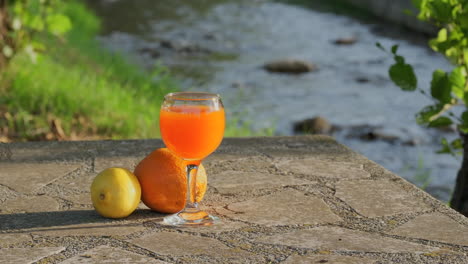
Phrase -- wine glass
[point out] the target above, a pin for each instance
(192, 127)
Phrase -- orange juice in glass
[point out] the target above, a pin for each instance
(192, 131)
(192, 127)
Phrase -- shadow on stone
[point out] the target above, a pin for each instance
(74, 219)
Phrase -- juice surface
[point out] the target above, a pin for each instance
(192, 131)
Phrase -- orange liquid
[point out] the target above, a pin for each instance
(191, 131)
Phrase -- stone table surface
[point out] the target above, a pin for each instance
(301, 199)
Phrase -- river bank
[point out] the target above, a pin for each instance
(78, 90)
(399, 12)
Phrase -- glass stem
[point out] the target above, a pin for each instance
(190, 203)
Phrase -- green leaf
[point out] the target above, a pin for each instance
(457, 144)
(445, 147)
(34, 6)
(458, 81)
(18, 8)
(403, 76)
(38, 46)
(456, 10)
(442, 121)
(442, 35)
(463, 21)
(440, 87)
(463, 127)
(426, 114)
(452, 53)
(399, 59)
(416, 3)
(35, 22)
(449, 148)
(58, 24)
(378, 45)
(464, 117)
(441, 43)
(394, 49)
(441, 10)
(465, 98)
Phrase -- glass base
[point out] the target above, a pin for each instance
(187, 218)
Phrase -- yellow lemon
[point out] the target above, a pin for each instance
(115, 193)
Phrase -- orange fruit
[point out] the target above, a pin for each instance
(163, 181)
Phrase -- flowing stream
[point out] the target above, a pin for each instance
(220, 46)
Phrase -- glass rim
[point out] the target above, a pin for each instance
(192, 96)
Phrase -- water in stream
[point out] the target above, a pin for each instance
(220, 46)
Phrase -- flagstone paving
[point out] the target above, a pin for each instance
(434, 226)
(373, 198)
(295, 259)
(301, 199)
(106, 254)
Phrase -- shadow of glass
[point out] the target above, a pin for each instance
(73, 219)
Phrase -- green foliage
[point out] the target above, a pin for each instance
(441, 87)
(452, 17)
(447, 89)
(442, 121)
(32, 18)
(451, 148)
(401, 73)
(235, 127)
(457, 81)
(88, 89)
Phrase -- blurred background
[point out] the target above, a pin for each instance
(84, 70)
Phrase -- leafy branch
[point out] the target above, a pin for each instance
(447, 89)
(33, 18)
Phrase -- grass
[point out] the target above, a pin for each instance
(235, 127)
(79, 90)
